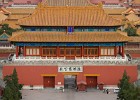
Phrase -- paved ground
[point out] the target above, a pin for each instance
(51, 94)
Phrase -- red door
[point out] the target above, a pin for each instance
(91, 81)
(49, 81)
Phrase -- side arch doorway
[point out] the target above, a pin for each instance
(49, 81)
(91, 81)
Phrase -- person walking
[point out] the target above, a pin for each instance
(107, 91)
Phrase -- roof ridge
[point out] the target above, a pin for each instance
(51, 14)
(47, 2)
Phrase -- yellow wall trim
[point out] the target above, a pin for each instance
(91, 74)
(70, 73)
(48, 74)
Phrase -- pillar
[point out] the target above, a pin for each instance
(17, 50)
(122, 51)
(82, 51)
(40, 51)
(115, 51)
(24, 51)
(99, 51)
(57, 51)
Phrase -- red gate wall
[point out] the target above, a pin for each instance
(109, 75)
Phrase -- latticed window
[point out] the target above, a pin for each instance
(107, 51)
(62, 51)
(90, 51)
(78, 52)
(49, 51)
(32, 51)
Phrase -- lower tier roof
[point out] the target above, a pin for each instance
(68, 37)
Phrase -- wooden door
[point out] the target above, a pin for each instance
(49, 81)
(91, 81)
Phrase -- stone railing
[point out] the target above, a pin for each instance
(61, 61)
(105, 58)
(71, 63)
(6, 47)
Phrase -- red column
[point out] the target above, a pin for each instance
(57, 50)
(99, 51)
(122, 51)
(24, 51)
(115, 51)
(40, 51)
(17, 50)
(82, 51)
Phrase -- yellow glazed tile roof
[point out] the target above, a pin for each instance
(132, 17)
(136, 1)
(137, 23)
(119, 17)
(67, 2)
(138, 30)
(69, 16)
(130, 10)
(12, 24)
(20, 10)
(64, 37)
(134, 38)
(114, 11)
(2, 17)
(4, 10)
(17, 16)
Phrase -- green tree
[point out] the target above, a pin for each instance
(127, 90)
(131, 31)
(7, 29)
(12, 88)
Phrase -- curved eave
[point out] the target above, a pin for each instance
(64, 37)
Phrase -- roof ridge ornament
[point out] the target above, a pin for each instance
(40, 5)
(100, 4)
(90, 3)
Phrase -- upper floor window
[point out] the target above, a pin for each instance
(93, 29)
(71, 29)
(48, 28)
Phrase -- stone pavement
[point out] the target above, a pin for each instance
(52, 94)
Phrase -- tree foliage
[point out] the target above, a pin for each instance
(7, 29)
(12, 88)
(127, 90)
(131, 31)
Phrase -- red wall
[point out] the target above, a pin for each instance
(109, 75)
(135, 55)
(30, 74)
(2, 55)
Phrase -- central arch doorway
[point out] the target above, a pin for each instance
(70, 81)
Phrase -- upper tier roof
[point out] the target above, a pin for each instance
(64, 37)
(67, 2)
(26, 1)
(136, 1)
(69, 16)
(106, 1)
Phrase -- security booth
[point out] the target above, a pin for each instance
(81, 86)
(101, 86)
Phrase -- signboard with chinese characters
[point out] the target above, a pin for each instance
(70, 69)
